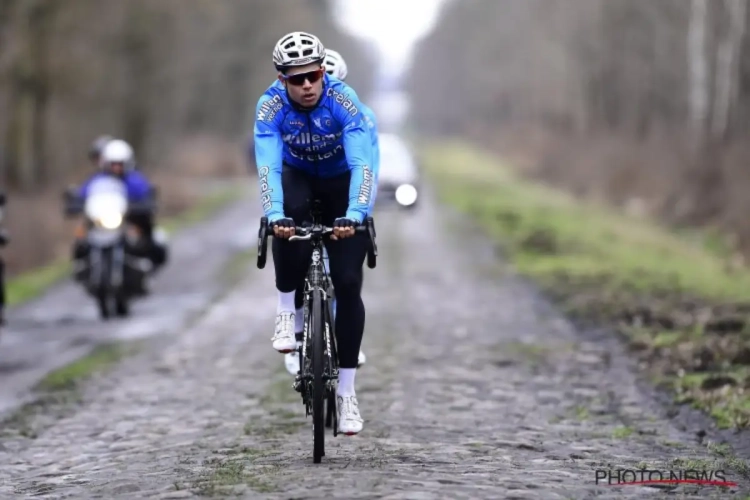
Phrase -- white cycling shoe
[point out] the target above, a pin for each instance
(350, 421)
(283, 337)
(291, 361)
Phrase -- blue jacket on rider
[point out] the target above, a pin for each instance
(326, 141)
(137, 185)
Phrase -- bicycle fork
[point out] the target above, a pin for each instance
(328, 272)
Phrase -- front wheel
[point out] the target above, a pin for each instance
(122, 307)
(104, 303)
(318, 384)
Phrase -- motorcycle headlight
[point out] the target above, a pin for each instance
(406, 195)
(110, 221)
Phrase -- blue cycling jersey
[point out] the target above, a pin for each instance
(137, 185)
(326, 141)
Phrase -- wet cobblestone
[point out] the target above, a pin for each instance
(473, 389)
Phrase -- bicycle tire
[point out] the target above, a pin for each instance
(319, 395)
(331, 413)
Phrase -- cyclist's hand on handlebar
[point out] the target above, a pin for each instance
(343, 228)
(283, 228)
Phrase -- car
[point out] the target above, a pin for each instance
(398, 180)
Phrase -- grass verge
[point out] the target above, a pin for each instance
(682, 306)
(31, 284)
(99, 359)
(58, 392)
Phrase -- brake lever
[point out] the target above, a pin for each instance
(371, 233)
(262, 242)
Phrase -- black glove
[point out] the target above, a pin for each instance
(285, 222)
(344, 222)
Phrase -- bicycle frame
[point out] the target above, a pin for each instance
(317, 281)
(317, 378)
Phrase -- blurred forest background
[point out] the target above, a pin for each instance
(178, 79)
(640, 103)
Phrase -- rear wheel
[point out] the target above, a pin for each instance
(331, 413)
(319, 386)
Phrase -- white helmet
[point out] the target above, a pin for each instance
(297, 49)
(117, 151)
(335, 65)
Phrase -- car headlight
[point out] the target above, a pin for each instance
(110, 221)
(406, 195)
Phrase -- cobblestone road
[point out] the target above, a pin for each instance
(473, 389)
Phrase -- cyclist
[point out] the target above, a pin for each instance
(336, 67)
(117, 159)
(311, 141)
(95, 150)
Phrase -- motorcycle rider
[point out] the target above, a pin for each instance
(336, 67)
(95, 150)
(311, 141)
(117, 159)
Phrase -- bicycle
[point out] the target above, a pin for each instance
(319, 367)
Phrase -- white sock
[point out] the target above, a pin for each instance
(346, 382)
(285, 302)
(299, 321)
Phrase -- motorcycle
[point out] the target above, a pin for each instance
(115, 270)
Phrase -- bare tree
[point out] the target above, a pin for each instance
(699, 90)
(728, 67)
(631, 97)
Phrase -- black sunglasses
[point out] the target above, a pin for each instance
(299, 78)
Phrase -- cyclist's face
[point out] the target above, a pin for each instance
(304, 84)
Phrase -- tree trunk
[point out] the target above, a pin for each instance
(30, 89)
(138, 67)
(697, 56)
(727, 70)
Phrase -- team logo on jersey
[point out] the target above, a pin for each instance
(307, 139)
(345, 102)
(265, 189)
(316, 121)
(363, 198)
(268, 109)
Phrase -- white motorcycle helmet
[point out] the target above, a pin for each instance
(117, 151)
(297, 49)
(335, 65)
